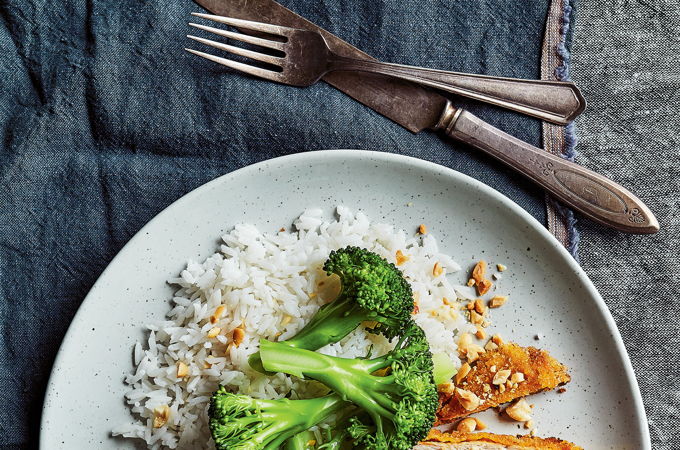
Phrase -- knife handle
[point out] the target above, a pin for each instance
(594, 195)
(553, 101)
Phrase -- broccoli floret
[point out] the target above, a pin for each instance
(337, 436)
(397, 390)
(239, 422)
(372, 289)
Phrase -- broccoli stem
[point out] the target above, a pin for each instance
(350, 378)
(332, 322)
(299, 441)
(290, 417)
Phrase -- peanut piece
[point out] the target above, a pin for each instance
(467, 425)
(182, 369)
(479, 306)
(462, 373)
(437, 269)
(519, 411)
(401, 258)
(161, 414)
(213, 332)
(217, 315)
(467, 399)
(501, 376)
(497, 301)
(237, 336)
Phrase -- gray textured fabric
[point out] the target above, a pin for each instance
(625, 58)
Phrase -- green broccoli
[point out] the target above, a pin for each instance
(239, 422)
(372, 289)
(300, 441)
(397, 390)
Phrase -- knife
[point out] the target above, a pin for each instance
(416, 108)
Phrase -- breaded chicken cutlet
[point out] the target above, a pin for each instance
(499, 376)
(488, 441)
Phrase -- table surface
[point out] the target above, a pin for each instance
(625, 60)
(72, 184)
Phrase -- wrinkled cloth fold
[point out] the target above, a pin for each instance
(105, 121)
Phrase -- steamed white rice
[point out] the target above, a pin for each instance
(270, 284)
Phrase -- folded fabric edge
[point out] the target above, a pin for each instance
(560, 140)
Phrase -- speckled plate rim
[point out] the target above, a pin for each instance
(536, 226)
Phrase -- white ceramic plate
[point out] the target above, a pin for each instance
(550, 295)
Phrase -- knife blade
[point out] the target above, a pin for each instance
(417, 108)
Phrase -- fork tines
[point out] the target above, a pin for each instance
(261, 42)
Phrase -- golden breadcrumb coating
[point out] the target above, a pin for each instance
(453, 440)
(528, 369)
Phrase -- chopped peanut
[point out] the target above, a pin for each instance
(519, 411)
(479, 270)
(471, 282)
(282, 229)
(480, 334)
(470, 306)
(479, 306)
(437, 269)
(467, 348)
(483, 286)
(237, 336)
(490, 346)
(161, 414)
(401, 258)
(467, 425)
(501, 388)
(480, 425)
(217, 315)
(467, 399)
(182, 369)
(501, 376)
(529, 424)
(561, 390)
(462, 373)
(497, 301)
(422, 229)
(501, 267)
(517, 377)
(476, 318)
(446, 388)
(496, 339)
(213, 332)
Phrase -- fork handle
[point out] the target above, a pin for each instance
(594, 195)
(553, 101)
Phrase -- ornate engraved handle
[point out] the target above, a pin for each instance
(553, 101)
(592, 194)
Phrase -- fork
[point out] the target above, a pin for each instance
(306, 58)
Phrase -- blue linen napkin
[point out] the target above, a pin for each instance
(106, 121)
